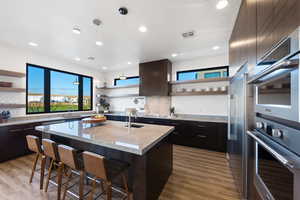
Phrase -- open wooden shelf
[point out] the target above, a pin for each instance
(2, 105)
(12, 74)
(201, 81)
(199, 93)
(122, 96)
(119, 87)
(8, 89)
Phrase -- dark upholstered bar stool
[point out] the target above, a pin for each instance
(51, 151)
(106, 171)
(69, 159)
(34, 145)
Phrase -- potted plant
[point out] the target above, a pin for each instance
(172, 111)
(104, 105)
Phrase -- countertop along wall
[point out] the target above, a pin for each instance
(200, 105)
(15, 59)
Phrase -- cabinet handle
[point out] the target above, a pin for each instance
(201, 126)
(15, 130)
(27, 129)
(201, 136)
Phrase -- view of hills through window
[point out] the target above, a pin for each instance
(64, 91)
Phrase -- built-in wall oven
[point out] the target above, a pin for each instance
(277, 132)
(277, 161)
(277, 80)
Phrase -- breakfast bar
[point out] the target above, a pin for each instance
(145, 147)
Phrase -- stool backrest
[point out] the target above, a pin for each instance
(50, 149)
(34, 143)
(68, 156)
(95, 164)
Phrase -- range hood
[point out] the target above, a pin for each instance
(155, 78)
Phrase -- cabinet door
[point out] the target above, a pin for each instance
(154, 78)
(204, 135)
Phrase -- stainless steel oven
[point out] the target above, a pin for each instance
(277, 161)
(277, 80)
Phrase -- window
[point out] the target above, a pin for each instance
(50, 90)
(134, 80)
(217, 72)
(87, 93)
(64, 93)
(35, 90)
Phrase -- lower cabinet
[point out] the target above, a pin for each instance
(13, 141)
(205, 135)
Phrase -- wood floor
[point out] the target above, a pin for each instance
(197, 175)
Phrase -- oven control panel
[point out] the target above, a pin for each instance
(285, 135)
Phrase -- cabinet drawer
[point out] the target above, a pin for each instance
(204, 140)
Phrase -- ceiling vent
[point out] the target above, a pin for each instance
(188, 34)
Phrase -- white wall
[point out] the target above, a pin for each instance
(15, 59)
(204, 105)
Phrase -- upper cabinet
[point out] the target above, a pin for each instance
(239, 39)
(276, 19)
(259, 27)
(155, 78)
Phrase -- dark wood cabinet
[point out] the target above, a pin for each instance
(155, 78)
(276, 19)
(205, 135)
(13, 141)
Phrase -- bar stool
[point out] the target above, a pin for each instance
(51, 151)
(34, 145)
(69, 158)
(106, 171)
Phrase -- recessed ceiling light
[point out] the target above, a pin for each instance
(99, 43)
(222, 4)
(104, 68)
(33, 44)
(216, 48)
(143, 29)
(76, 30)
(129, 63)
(77, 59)
(174, 55)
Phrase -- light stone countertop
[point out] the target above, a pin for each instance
(111, 134)
(187, 117)
(42, 118)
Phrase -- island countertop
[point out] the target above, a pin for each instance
(111, 134)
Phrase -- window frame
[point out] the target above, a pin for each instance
(130, 77)
(47, 90)
(202, 69)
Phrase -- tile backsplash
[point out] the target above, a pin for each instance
(158, 105)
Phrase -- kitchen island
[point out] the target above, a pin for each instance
(147, 149)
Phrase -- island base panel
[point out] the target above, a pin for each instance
(147, 174)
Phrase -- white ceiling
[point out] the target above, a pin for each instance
(49, 23)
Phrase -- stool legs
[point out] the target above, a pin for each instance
(126, 186)
(69, 176)
(43, 165)
(49, 174)
(34, 167)
(108, 190)
(59, 179)
(81, 184)
(93, 190)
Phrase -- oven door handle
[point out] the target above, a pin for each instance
(285, 63)
(279, 157)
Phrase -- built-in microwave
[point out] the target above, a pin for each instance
(277, 81)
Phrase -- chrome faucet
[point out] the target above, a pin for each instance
(131, 112)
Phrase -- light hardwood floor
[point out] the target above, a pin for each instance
(197, 175)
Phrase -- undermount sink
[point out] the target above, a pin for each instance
(135, 126)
